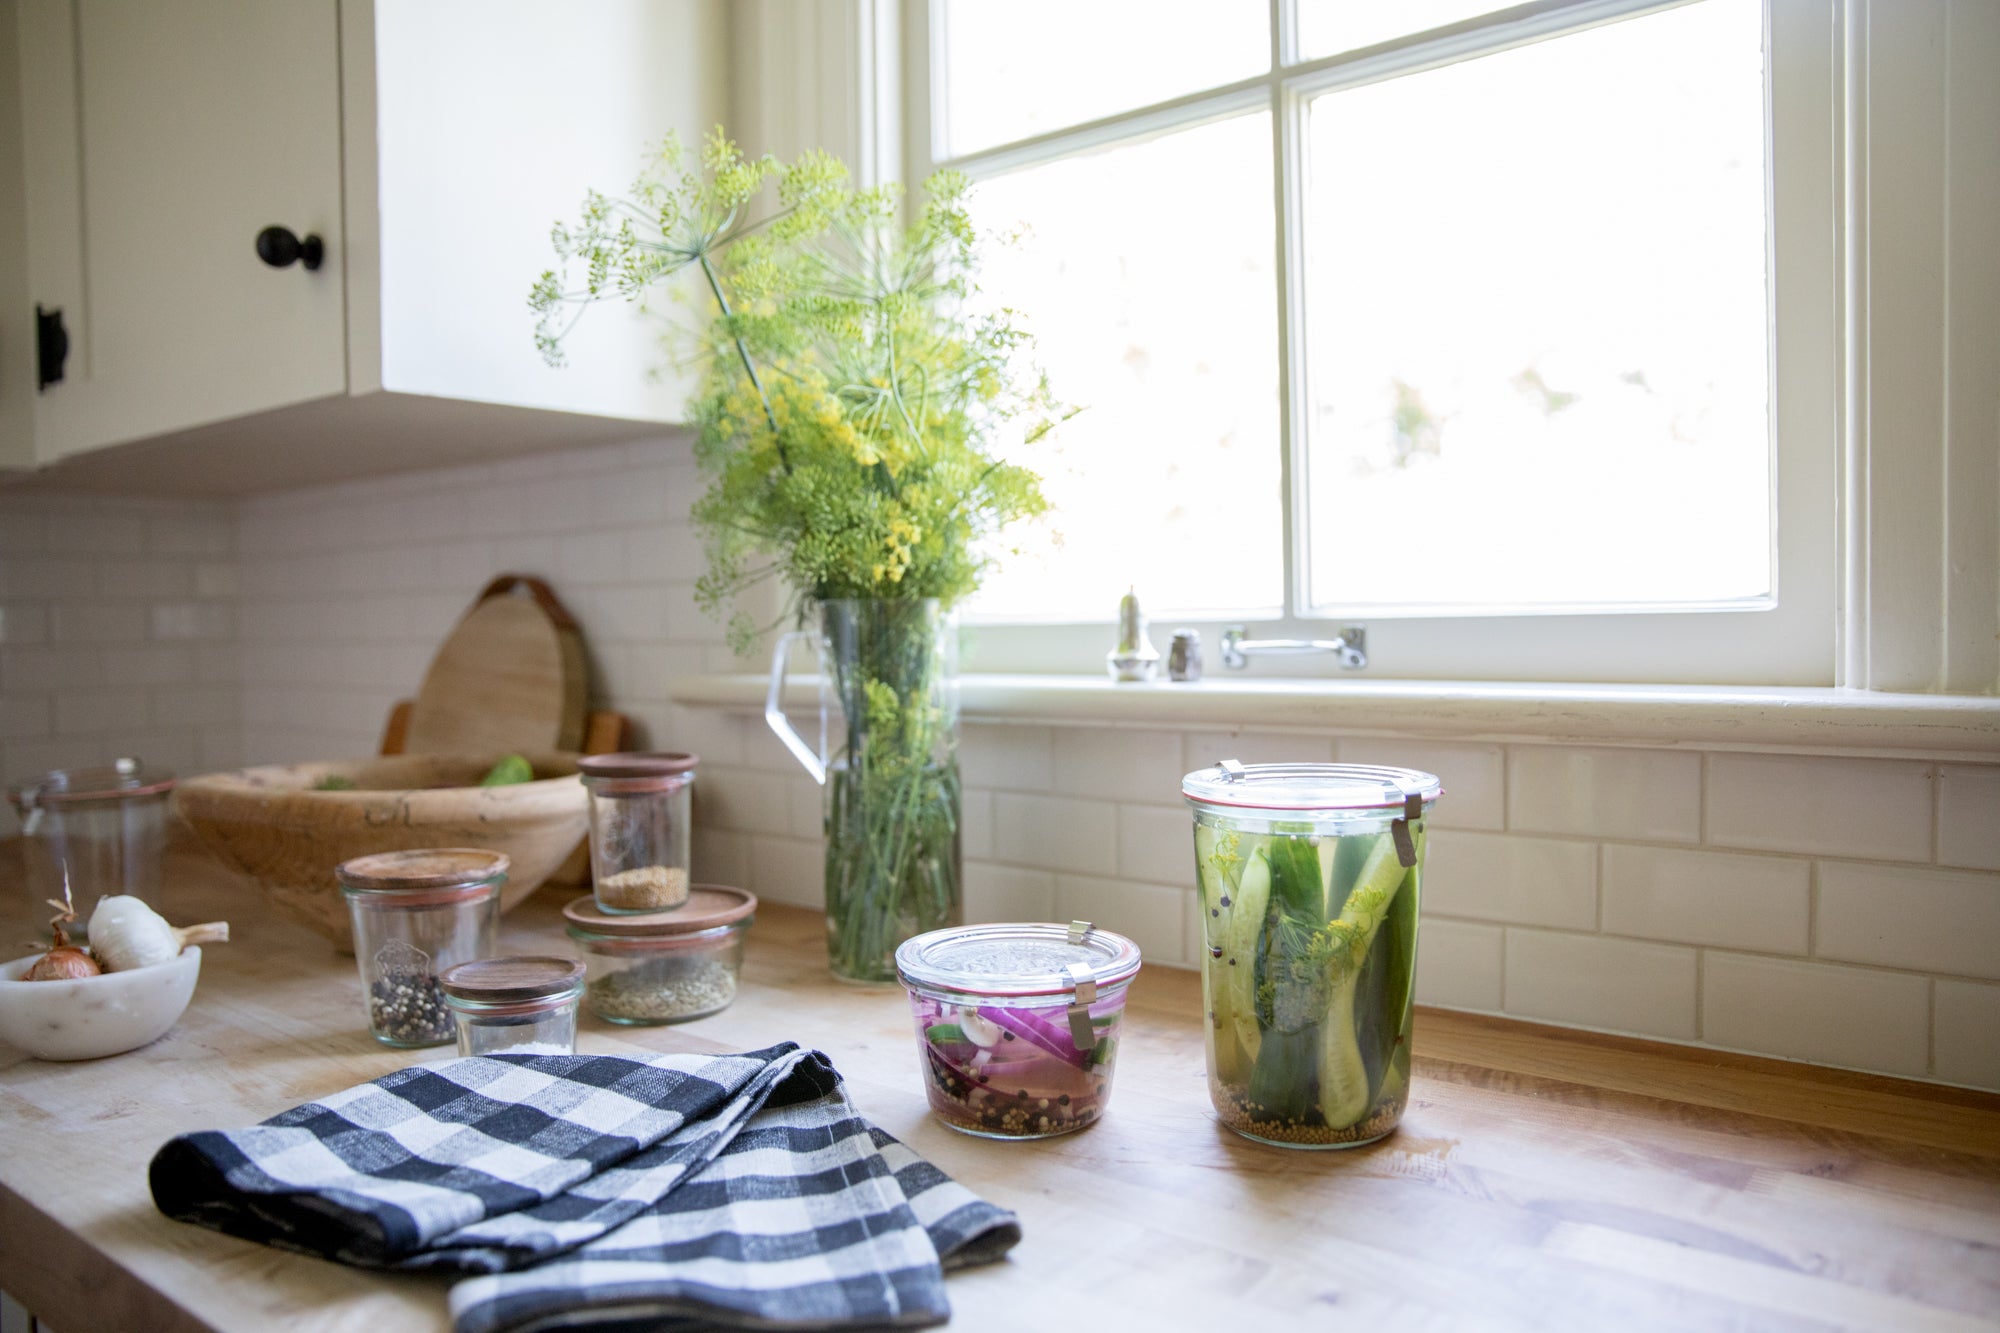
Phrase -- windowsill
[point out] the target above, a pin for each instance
(1714, 717)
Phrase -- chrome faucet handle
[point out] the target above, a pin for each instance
(1350, 646)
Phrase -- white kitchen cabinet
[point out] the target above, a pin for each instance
(427, 144)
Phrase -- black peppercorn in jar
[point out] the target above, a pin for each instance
(415, 914)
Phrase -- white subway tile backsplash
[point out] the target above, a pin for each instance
(210, 533)
(1968, 1033)
(102, 712)
(1592, 981)
(788, 870)
(1925, 920)
(742, 799)
(194, 620)
(1474, 776)
(1007, 893)
(145, 576)
(1204, 749)
(975, 830)
(1969, 816)
(24, 529)
(1056, 833)
(57, 577)
(1007, 758)
(1119, 765)
(1153, 915)
(1875, 808)
(1700, 897)
(1459, 964)
(47, 667)
(23, 715)
(81, 532)
(1156, 843)
(1646, 794)
(24, 622)
(719, 856)
(1494, 877)
(663, 553)
(215, 579)
(591, 557)
(148, 664)
(1810, 1011)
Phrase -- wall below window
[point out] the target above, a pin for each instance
(1833, 909)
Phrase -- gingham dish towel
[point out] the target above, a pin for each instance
(731, 1191)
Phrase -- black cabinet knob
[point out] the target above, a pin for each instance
(280, 247)
(51, 347)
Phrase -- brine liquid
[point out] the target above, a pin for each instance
(1014, 1073)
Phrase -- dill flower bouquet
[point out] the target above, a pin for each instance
(848, 407)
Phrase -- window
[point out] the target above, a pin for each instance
(1507, 332)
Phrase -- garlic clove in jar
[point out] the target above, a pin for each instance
(125, 933)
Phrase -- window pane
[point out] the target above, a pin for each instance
(1537, 313)
(1147, 275)
(1024, 67)
(1328, 27)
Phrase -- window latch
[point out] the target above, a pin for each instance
(1350, 646)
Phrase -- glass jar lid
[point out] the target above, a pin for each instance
(707, 907)
(632, 772)
(120, 780)
(508, 980)
(429, 870)
(1312, 787)
(1018, 959)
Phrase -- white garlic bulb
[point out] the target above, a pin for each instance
(125, 933)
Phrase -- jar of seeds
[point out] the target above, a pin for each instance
(663, 967)
(416, 914)
(514, 1006)
(639, 812)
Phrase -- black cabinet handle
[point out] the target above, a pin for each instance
(51, 347)
(280, 247)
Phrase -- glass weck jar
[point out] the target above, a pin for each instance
(1017, 1024)
(889, 693)
(1309, 876)
(663, 967)
(639, 829)
(416, 914)
(514, 1006)
(94, 831)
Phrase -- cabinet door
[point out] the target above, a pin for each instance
(199, 123)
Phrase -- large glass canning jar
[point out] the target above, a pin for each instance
(1309, 877)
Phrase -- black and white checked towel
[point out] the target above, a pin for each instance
(691, 1190)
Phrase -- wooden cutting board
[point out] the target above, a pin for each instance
(510, 677)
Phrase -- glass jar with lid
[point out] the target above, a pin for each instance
(514, 1006)
(1309, 876)
(663, 967)
(415, 914)
(1018, 1024)
(639, 824)
(94, 831)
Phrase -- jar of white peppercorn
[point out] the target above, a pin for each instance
(663, 967)
(639, 812)
(416, 914)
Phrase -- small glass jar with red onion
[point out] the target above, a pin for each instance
(1018, 1024)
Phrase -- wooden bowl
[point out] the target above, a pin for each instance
(273, 825)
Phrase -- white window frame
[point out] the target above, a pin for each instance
(1793, 639)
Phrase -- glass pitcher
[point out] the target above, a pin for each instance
(888, 696)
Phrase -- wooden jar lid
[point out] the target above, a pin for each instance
(499, 979)
(427, 868)
(707, 906)
(635, 765)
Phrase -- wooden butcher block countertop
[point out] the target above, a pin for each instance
(1542, 1178)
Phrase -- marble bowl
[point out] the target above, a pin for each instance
(93, 1017)
(274, 825)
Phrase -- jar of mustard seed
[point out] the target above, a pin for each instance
(639, 825)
